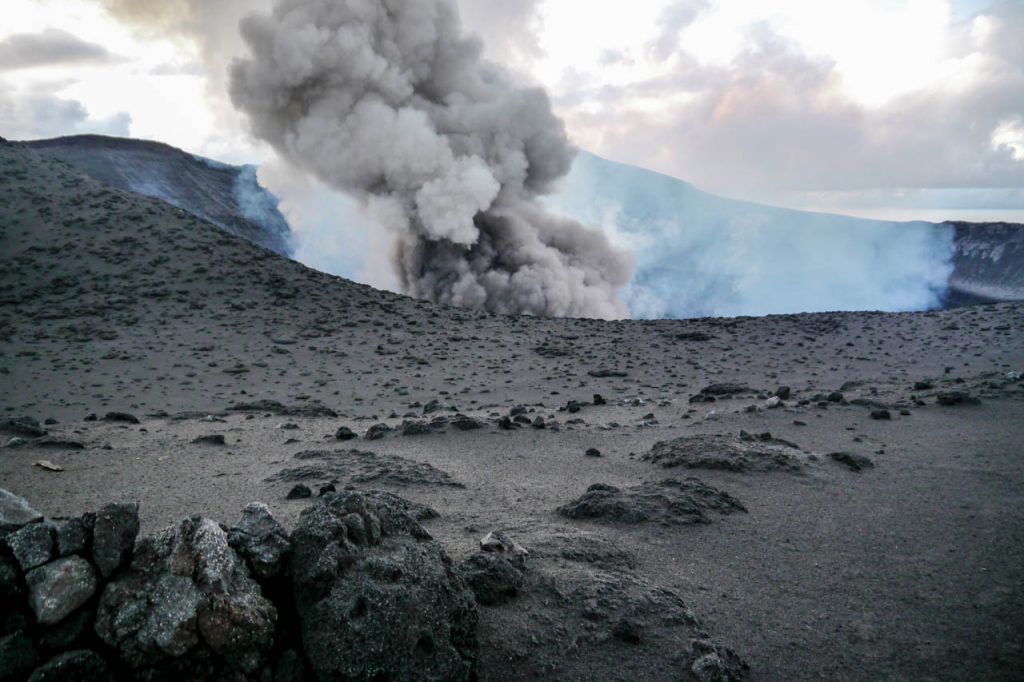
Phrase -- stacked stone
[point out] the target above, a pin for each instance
(358, 591)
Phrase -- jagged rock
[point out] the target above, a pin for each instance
(500, 542)
(716, 663)
(345, 433)
(299, 492)
(22, 426)
(261, 540)
(783, 392)
(32, 546)
(669, 502)
(494, 578)
(73, 666)
(599, 400)
(73, 632)
(852, 460)
(464, 423)
(356, 466)
(376, 598)
(122, 417)
(17, 656)
(74, 535)
(378, 431)
(726, 389)
(954, 398)
(113, 537)
(186, 605)
(15, 512)
(58, 588)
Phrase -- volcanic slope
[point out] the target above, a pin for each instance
(248, 373)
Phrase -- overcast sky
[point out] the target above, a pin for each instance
(887, 108)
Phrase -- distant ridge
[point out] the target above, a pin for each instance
(225, 195)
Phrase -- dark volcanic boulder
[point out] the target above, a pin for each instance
(32, 546)
(494, 578)
(60, 587)
(113, 536)
(261, 540)
(17, 656)
(73, 666)
(187, 607)
(15, 512)
(378, 599)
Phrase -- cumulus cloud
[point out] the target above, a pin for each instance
(777, 119)
(34, 113)
(391, 102)
(50, 47)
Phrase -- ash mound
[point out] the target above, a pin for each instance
(669, 502)
(743, 453)
(227, 196)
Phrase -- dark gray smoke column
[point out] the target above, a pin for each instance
(387, 100)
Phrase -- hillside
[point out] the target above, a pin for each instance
(720, 508)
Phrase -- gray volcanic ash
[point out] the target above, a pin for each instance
(391, 102)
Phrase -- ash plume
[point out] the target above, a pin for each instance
(389, 101)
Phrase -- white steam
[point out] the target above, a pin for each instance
(701, 255)
(389, 101)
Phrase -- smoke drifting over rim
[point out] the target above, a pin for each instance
(389, 101)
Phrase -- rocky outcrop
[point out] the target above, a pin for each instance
(377, 598)
(358, 591)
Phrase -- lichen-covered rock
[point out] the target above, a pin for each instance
(15, 512)
(261, 540)
(73, 666)
(377, 598)
(32, 545)
(187, 605)
(58, 588)
(113, 536)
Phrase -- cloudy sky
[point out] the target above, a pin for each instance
(885, 108)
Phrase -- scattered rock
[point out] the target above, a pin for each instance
(669, 502)
(213, 439)
(377, 598)
(607, 374)
(852, 460)
(22, 426)
(113, 537)
(592, 452)
(122, 417)
(345, 433)
(260, 540)
(378, 431)
(599, 400)
(462, 422)
(60, 587)
(718, 390)
(881, 415)
(783, 392)
(954, 398)
(299, 492)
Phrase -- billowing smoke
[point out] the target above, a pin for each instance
(389, 101)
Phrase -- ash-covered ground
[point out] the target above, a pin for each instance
(830, 496)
